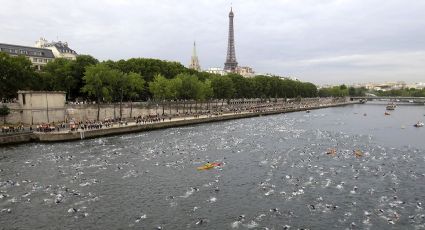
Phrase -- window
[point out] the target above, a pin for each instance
(23, 98)
(45, 60)
(34, 59)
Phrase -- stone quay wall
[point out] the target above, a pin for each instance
(85, 134)
(20, 114)
(16, 113)
(18, 138)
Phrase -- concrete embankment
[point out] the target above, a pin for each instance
(17, 138)
(78, 135)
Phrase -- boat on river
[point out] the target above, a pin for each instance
(391, 106)
(419, 124)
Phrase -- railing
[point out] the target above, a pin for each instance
(389, 98)
(8, 131)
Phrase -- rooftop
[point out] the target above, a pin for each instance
(61, 46)
(41, 92)
(26, 50)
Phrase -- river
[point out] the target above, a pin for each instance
(275, 174)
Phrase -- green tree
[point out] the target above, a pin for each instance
(335, 91)
(78, 68)
(135, 87)
(241, 86)
(352, 91)
(97, 79)
(207, 92)
(262, 86)
(190, 88)
(160, 89)
(309, 90)
(289, 88)
(174, 89)
(149, 68)
(66, 75)
(222, 87)
(125, 85)
(4, 111)
(117, 83)
(16, 73)
(59, 76)
(275, 87)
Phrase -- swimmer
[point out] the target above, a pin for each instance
(331, 152)
(358, 153)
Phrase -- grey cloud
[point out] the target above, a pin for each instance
(320, 41)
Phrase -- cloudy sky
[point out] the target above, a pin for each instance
(322, 41)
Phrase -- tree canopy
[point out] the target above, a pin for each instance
(341, 91)
(141, 79)
(4, 111)
(16, 73)
(408, 92)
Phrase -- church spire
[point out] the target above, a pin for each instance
(194, 49)
(194, 62)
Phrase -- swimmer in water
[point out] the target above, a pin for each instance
(331, 152)
(358, 153)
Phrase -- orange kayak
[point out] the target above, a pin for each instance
(209, 166)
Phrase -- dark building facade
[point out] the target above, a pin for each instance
(38, 56)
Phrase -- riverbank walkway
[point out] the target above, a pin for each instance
(119, 127)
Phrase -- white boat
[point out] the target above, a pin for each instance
(391, 106)
(419, 124)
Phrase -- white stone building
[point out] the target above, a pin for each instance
(215, 70)
(245, 71)
(59, 49)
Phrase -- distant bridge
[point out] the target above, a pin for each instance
(400, 99)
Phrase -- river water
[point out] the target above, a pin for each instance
(276, 174)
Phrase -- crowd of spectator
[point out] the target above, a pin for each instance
(217, 110)
(12, 129)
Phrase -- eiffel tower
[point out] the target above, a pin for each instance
(231, 63)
